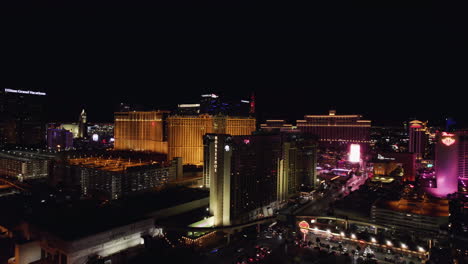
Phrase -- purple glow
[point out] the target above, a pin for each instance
(446, 168)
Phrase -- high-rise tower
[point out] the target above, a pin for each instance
(82, 124)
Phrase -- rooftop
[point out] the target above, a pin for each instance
(85, 218)
(435, 208)
(109, 164)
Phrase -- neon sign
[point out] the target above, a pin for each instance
(304, 224)
(448, 139)
(8, 90)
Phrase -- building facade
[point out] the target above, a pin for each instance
(141, 131)
(52, 248)
(412, 215)
(249, 176)
(23, 166)
(336, 129)
(185, 133)
(59, 139)
(418, 138)
(174, 135)
(297, 166)
(82, 124)
(22, 120)
(447, 154)
(115, 178)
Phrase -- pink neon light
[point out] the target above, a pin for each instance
(448, 141)
(355, 153)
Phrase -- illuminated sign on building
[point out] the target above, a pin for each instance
(8, 90)
(210, 95)
(380, 157)
(189, 105)
(447, 139)
(354, 153)
(304, 226)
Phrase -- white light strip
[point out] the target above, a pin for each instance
(8, 90)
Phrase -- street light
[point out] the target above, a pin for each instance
(353, 236)
(420, 249)
(342, 234)
(389, 243)
(373, 240)
(404, 246)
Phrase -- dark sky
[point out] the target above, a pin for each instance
(387, 63)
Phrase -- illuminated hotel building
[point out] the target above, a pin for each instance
(448, 160)
(297, 165)
(119, 177)
(141, 131)
(217, 176)
(24, 165)
(271, 125)
(418, 138)
(334, 128)
(249, 176)
(174, 135)
(185, 133)
(242, 174)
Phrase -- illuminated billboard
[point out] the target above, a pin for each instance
(354, 153)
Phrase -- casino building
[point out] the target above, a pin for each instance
(336, 129)
(174, 135)
(185, 133)
(451, 163)
(141, 131)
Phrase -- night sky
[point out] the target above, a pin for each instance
(386, 64)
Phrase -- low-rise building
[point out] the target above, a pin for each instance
(115, 177)
(23, 165)
(422, 216)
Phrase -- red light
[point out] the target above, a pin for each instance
(303, 224)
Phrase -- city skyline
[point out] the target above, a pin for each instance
(266, 107)
(216, 132)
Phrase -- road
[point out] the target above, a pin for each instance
(230, 253)
(380, 252)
